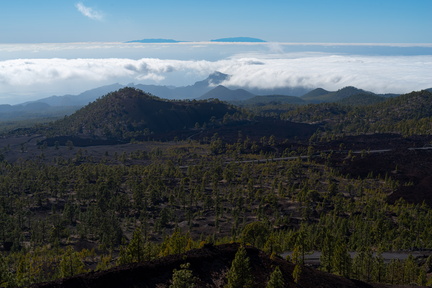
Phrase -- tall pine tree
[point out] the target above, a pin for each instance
(276, 279)
(240, 273)
(183, 278)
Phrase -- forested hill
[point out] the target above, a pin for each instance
(129, 113)
(320, 95)
(407, 114)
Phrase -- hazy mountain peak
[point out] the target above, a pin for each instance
(217, 77)
(316, 92)
(213, 79)
(352, 89)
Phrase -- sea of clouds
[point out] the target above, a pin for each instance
(29, 72)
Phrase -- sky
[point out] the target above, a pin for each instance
(58, 47)
(348, 21)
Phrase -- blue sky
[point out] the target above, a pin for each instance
(347, 21)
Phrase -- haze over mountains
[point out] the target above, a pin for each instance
(211, 87)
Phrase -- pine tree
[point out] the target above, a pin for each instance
(135, 251)
(256, 234)
(71, 264)
(104, 263)
(276, 279)
(428, 264)
(327, 251)
(422, 278)
(410, 269)
(183, 278)
(297, 272)
(6, 277)
(136, 247)
(342, 260)
(240, 273)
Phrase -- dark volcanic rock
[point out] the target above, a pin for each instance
(407, 160)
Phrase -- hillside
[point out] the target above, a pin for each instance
(320, 95)
(270, 100)
(130, 113)
(407, 114)
(315, 93)
(361, 100)
(414, 105)
(209, 266)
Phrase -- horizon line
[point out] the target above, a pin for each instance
(399, 44)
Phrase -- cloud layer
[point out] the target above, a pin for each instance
(397, 74)
(89, 12)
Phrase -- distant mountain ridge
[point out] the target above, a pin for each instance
(224, 94)
(199, 89)
(271, 100)
(316, 93)
(321, 95)
(185, 92)
(58, 106)
(80, 99)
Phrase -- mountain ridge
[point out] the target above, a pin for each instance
(58, 106)
(225, 94)
(270, 99)
(319, 95)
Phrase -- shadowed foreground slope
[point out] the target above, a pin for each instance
(210, 265)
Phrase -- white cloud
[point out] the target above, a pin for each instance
(89, 12)
(380, 74)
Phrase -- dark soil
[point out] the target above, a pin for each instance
(210, 265)
(409, 162)
(261, 127)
